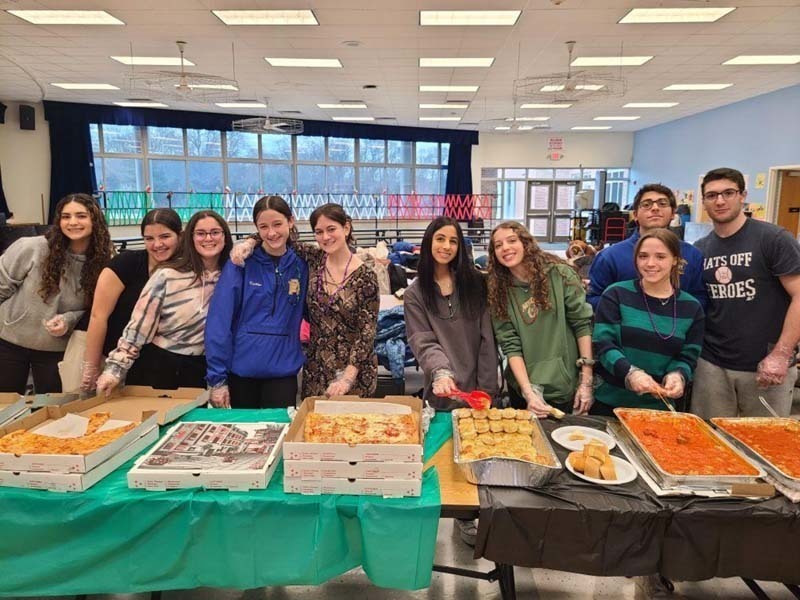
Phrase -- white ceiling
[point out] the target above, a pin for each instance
(32, 57)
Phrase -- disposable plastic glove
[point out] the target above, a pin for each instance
(57, 326)
(639, 382)
(220, 397)
(773, 367)
(89, 373)
(241, 251)
(674, 384)
(106, 383)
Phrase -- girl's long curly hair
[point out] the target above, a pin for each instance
(97, 255)
(537, 265)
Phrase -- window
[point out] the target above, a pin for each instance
(121, 139)
(201, 142)
(399, 181)
(310, 148)
(242, 145)
(310, 179)
(427, 181)
(94, 134)
(341, 149)
(372, 151)
(278, 179)
(168, 175)
(427, 153)
(445, 155)
(123, 174)
(371, 180)
(205, 176)
(340, 180)
(399, 152)
(277, 146)
(244, 177)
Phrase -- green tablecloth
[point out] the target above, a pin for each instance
(111, 539)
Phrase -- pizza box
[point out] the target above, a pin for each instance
(389, 488)
(140, 404)
(310, 470)
(13, 406)
(227, 456)
(295, 448)
(77, 482)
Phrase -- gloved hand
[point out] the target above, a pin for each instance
(339, 386)
(57, 326)
(773, 367)
(534, 396)
(674, 384)
(639, 382)
(241, 251)
(220, 396)
(584, 398)
(89, 373)
(443, 383)
(106, 383)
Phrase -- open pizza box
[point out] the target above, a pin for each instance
(296, 449)
(13, 406)
(143, 405)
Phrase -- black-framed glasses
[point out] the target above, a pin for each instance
(728, 194)
(648, 204)
(199, 234)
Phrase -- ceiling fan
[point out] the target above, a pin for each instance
(269, 124)
(184, 85)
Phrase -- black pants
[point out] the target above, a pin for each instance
(167, 370)
(602, 410)
(17, 361)
(278, 392)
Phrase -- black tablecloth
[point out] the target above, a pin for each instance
(573, 525)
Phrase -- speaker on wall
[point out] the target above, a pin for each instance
(27, 117)
(2, 113)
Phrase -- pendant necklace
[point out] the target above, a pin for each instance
(663, 303)
(321, 283)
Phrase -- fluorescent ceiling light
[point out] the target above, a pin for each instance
(559, 88)
(694, 87)
(588, 128)
(343, 105)
(650, 104)
(66, 17)
(141, 104)
(241, 104)
(610, 61)
(616, 118)
(266, 17)
(468, 17)
(212, 86)
(456, 62)
(525, 127)
(353, 118)
(85, 86)
(448, 88)
(528, 119)
(559, 105)
(325, 63)
(502, 128)
(440, 118)
(153, 61)
(676, 15)
(764, 59)
(446, 105)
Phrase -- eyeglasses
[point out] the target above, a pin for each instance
(728, 194)
(214, 234)
(648, 204)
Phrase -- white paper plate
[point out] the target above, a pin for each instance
(625, 473)
(562, 434)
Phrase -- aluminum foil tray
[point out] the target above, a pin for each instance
(509, 472)
(793, 483)
(671, 480)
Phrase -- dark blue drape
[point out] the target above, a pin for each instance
(71, 149)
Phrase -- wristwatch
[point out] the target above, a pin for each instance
(584, 362)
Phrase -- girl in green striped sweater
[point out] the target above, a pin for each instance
(648, 333)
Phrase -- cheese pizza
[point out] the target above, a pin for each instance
(361, 429)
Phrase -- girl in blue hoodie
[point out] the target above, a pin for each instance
(253, 351)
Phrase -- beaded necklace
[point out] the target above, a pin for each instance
(321, 283)
(653, 321)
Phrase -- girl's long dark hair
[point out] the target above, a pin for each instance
(278, 204)
(187, 259)
(469, 285)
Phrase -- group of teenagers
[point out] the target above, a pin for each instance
(193, 310)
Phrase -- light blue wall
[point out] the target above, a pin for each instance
(751, 135)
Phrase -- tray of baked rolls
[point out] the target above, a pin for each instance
(502, 446)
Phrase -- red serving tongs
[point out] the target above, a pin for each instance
(476, 399)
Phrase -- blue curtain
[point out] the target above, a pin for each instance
(70, 145)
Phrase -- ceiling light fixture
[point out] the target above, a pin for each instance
(676, 15)
(502, 128)
(323, 63)
(153, 61)
(696, 87)
(616, 118)
(650, 104)
(342, 105)
(141, 104)
(446, 105)
(588, 128)
(560, 88)
(528, 119)
(468, 18)
(353, 118)
(455, 62)
(764, 59)
(266, 17)
(241, 104)
(448, 88)
(535, 105)
(610, 61)
(85, 86)
(440, 118)
(66, 17)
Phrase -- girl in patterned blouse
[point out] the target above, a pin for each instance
(164, 337)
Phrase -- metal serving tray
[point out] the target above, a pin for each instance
(793, 483)
(672, 480)
(508, 472)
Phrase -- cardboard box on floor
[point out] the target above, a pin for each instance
(141, 404)
(295, 448)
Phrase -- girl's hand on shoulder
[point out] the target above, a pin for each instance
(242, 251)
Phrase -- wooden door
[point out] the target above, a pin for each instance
(789, 202)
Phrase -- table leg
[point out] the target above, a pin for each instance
(505, 577)
(758, 592)
(155, 595)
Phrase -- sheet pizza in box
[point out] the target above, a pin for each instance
(356, 429)
(236, 456)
